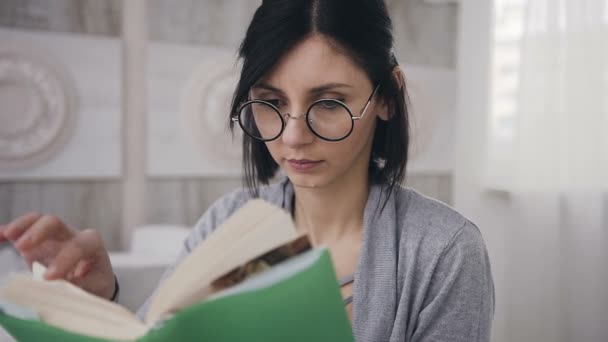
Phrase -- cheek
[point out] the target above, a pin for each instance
(356, 143)
(364, 132)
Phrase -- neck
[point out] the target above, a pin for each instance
(328, 214)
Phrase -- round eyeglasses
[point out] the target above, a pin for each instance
(328, 119)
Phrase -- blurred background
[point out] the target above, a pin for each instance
(113, 116)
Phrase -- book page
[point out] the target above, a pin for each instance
(38, 271)
(253, 230)
(62, 304)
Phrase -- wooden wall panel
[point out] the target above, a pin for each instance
(79, 204)
(183, 201)
(101, 17)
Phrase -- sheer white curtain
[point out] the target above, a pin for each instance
(549, 151)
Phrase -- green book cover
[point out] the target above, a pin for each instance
(297, 300)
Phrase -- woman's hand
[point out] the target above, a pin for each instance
(77, 256)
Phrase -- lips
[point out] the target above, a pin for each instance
(303, 164)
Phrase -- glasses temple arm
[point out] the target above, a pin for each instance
(369, 101)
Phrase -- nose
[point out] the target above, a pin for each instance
(296, 132)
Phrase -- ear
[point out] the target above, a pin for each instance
(383, 113)
(398, 76)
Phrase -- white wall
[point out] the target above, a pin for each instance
(490, 211)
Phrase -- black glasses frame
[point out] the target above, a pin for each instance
(283, 117)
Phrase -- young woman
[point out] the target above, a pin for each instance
(321, 97)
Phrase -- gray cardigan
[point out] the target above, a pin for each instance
(423, 272)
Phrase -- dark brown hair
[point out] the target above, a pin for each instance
(360, 28)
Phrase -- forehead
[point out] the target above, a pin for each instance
(312, 62)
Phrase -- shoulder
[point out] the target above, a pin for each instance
(439, 240)
(423, 220)
(225, 206)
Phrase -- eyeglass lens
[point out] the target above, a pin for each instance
(328, 119)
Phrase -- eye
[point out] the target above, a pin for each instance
(275, 102)
(330, 105)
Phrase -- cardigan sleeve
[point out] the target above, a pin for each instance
(459, 302)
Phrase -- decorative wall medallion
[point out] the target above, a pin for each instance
(37, 108)
(205, 107)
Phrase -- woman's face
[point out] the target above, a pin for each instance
(315, 70)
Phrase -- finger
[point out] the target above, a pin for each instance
(91, 241)
(65, 261)
(85, 245)
(45, 228)
(19, 225)
(83, 268)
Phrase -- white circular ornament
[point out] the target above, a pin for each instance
(37, 108)
(205, 107)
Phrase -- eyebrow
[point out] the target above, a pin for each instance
(315, 90)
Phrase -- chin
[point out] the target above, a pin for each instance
(313, 181)
(316, 179)
(307, 181)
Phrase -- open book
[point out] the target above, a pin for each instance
(253, 279)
